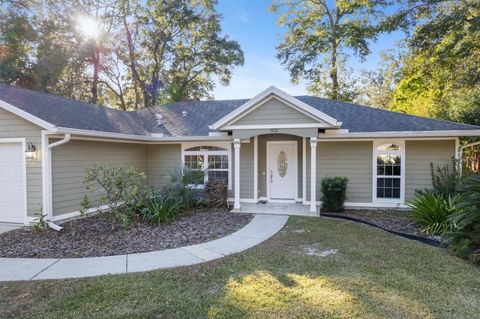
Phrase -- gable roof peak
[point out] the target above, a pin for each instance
(283, 96)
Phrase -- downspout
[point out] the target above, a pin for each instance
(48, 176)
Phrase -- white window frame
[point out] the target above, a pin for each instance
(228, 151)
(401, 153)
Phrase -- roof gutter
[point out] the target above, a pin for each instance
(134, 137)
(400, 134)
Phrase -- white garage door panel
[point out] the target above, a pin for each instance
(12, 183)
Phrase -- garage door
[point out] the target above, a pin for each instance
(12, 183)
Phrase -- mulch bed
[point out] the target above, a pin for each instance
(395, 220)
(92, 236)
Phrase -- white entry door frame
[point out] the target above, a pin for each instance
(282, 188)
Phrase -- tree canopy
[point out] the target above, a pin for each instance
(144, 53)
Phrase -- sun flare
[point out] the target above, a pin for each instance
(88, 27)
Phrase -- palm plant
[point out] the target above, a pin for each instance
(465, 238)
(431, 211)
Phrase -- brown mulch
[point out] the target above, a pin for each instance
(92, 236)
(396, 220)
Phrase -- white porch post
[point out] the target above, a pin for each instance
(236, 145)
(313, 175)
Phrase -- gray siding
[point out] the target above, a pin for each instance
(12, 126)
(262, 160)
(69, 162)
(274, 112)
(246, 170)
(162, 159)
(418, 156)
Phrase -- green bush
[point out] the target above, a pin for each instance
(156, 208)
(431, 211)
(334, 193)
(465, 238)
(182, 187)
(216, 194)
(445, 179)
(116, 188)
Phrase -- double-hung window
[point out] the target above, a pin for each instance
(389, 171)
(213, 160)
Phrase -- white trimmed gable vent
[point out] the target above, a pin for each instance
(159, 118)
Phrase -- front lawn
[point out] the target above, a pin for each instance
(313, 268)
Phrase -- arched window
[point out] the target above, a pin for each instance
(214, 160)
(389, 171)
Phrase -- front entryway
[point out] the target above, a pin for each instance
(12, 182)
(282, 170)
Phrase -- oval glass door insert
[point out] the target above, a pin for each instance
(282, 164)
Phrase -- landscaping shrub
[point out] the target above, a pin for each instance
(334, 193)
(156, 208)
(431, 211)
(182, 187)
(465, 237)
(115, 187)
(445, 179)
(216, 194)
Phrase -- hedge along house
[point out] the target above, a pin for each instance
(273, 147)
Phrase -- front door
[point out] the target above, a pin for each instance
(282, 170)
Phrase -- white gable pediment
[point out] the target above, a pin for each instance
(274, 108)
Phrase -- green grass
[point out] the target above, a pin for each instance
(373, 275)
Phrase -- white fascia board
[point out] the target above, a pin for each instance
(272, 90)
(451, 133)
(26, 116)
(145, 138)
(275, 126)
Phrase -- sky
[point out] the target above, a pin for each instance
(251, 24)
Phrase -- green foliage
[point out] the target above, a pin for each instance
(156, 208)
(216, 194)
(465, 238)
(334, 193)
(41, 223)
(431, 211)
(115, 187)
(147, 52)
(183, 187)
(445, 179)
(319, 34)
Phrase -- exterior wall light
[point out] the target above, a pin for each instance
(30, 151)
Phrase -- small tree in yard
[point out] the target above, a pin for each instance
(113, 187)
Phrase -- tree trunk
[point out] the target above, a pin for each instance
(131, 55)
(96, 69)
(334, 74)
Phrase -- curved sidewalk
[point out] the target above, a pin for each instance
(258, 230)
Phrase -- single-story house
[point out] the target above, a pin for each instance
(272, 147)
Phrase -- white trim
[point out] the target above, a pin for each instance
(255, 167)
(402, 134)
(237, 113)
(236, 145)
(25, 115)
(304, 169)
(226, 145)
(313, 174)
(274, 126)
(23, 143)
(401, 152)
(329, 140)
(268, 168)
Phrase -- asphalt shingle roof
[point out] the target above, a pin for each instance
(63, 112)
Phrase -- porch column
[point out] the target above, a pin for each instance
(313, 175)
(236, 145)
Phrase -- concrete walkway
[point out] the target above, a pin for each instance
(258, 230)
